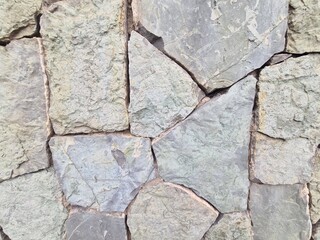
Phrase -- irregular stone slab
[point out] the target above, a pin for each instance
(23, 115)
(280, 212)
(103, 171)
(161, 92)
(208, 152)
(231, 38)
(314, 187)
(30, 207)
(85, 59)
(304, 26)
(167, 211)
(231, 226)
(84, 226)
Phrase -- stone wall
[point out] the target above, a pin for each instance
(151, 120)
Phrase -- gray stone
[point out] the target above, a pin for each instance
(166, 211)
(23, 117)
(95, 226)
(161, 92)
(280, 212)
(30, 207)
(208, 152)
(278, 58)
(85, 60)
(102, 171)
(314, 187)
(316, 232)
(221, 41)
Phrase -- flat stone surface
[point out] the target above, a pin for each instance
(23, 115)
(208, 152)
(30, 207)
(95, 226)
(280, 212)
(167, 211)
(102, 171)
(314, 187)
(304, 26)
(161, 92)
(85, 60)
(221, 41)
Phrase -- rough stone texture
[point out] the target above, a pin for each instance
(166, 211)
(314, 187)
(218, 41)
(234, 226)
(95, 226)
(105, 171)
(304, 26)
(280, 212)
(85, 58)
(30, 207)
(208, 152)
(161, 92)
(23, 116)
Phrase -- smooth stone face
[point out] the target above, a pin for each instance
(30, 207)
(280, 212)
(102, 171)
(304, 26)
(314, 187)
(95, 226)
(221, 41)
(161, 92)
(85, 60)
(208, 152)
(167, 211)
(23, 116)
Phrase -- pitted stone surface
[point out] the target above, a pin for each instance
(102, 171)
(220, 42)
(167, 211)
(314, 187)
(23, 115)
(85, 59)
(208, 152)
(161, 92)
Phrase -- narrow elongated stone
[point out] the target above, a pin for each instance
(314, 187)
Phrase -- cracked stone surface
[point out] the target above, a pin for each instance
(23, 116)
(208, 152)
(161, 92)
(176, 213)
(30, 207)
(280, 212)
(102, 171)
(314, 187)
(85, 59)
(220, 42)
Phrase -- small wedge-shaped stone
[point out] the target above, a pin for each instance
(167, 211)
(23, 115)
(85, 60)
(208, 152)
(314, 187)
(221, 41)
(103, 171)
(30, 207)
(161, 92)
(280, 212)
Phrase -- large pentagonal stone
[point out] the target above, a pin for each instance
(218, 41)
(161, 92)
(85, 59)
(208, 152)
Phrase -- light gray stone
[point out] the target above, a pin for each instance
(208, 152)
(30, 207)
(314, 187)
(280, 212)
(167, 211)
(23, 116)
(278, 58)
(221, 41)
(86, 65)
(102, 171)
(161, 92)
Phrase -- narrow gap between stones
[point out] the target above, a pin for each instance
(155, 163)
(3, 236)
(127, 228)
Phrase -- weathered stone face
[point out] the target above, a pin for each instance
(23, 116)
(85, 59)
(167, 211)
(161, 92)
(208, 152)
